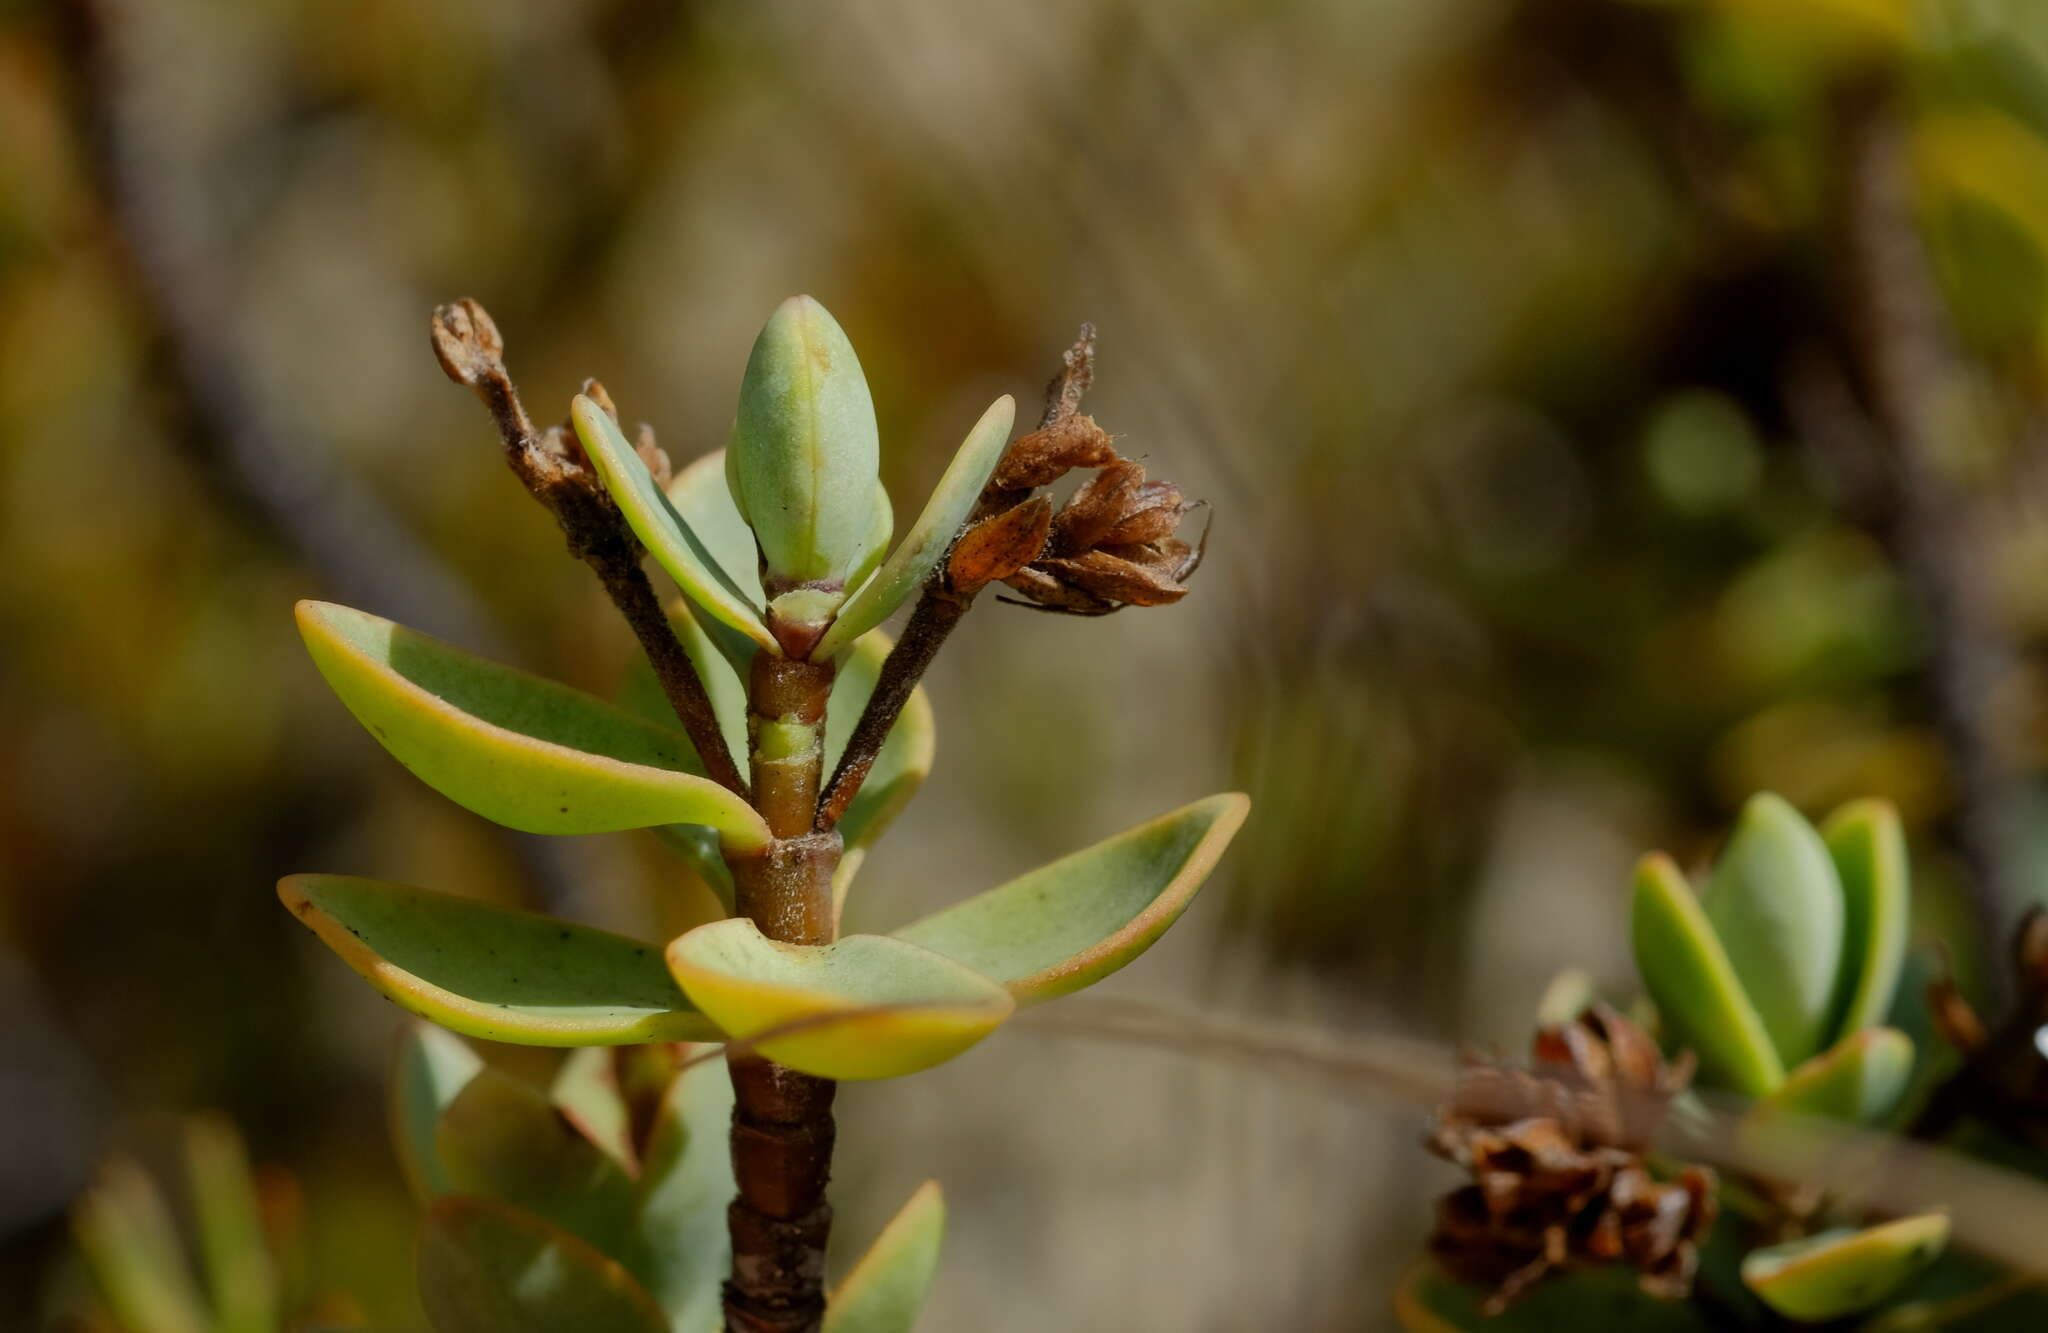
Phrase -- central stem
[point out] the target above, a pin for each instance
(782, 1130)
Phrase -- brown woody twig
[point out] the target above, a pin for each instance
(473, 354)
(944, 600)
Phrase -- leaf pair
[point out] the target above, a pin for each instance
(536, 1221)
(1794, 955)
(876, 1006)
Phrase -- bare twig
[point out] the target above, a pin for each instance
(1076, 377)
(1904, 356)
(1996, 1212)
(473, 354)
(941, 606)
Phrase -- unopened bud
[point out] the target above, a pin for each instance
(804, 455)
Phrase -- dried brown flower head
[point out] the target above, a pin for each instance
(1556, 1156)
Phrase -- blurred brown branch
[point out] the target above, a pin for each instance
(284, 481)
(1913, 386)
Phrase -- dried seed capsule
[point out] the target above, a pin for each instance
(1101, 502)
(1115, 579)
(1152, 514)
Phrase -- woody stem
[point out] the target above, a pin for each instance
(782, 1127)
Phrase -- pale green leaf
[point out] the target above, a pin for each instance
(1776, 904)
(586, 1092)
(704, 502)
(805, 451)
(1859, 1079)
(1869, 852)
(1688, 974)
(906, 755)
(432, 1066)
(1844, 1272)
(886, 1289)
(524, 751)
(1071, 923)
(928, 540)
(864, 1006)
(485, 1267)
(672, 543)
(679, 1246)
(493, 972)
(503, 1140)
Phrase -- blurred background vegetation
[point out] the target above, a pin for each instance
(1609, 407)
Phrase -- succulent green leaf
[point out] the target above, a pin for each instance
(586, 1092)
(1071, 923)
(805, 451)
(131, 1247)
(241, 1279)
(1869, 851)
(887, 1287)
(675, 546)
(493, 972)
(1843, 1272)
(432, 1066)
(1603, 1298)
(928, 540)
(864, 1006)
(704, 502)
(679, 1246)
(515, 748)
(640, 693)
(1859, 1079)
(884, 520)
(1688, 974)
(487, 1267)
(1776, 904)
(906, 754)
(503, 1140)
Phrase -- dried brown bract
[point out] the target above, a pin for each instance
(1111, 545)
(1556, 1156)
(999, 545)
(1047, 454)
